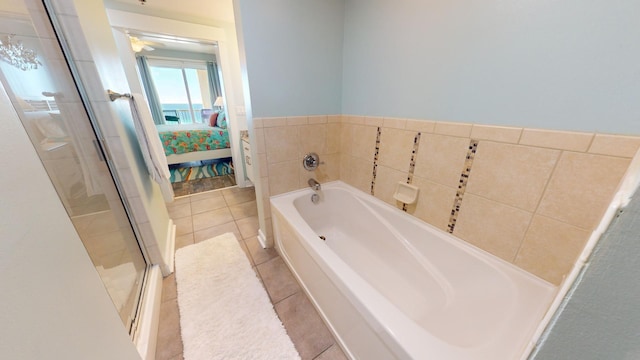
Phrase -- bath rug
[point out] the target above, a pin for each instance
(225, 312)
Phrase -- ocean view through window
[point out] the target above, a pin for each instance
(182, 88)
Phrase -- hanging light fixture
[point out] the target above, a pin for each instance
(17, 55)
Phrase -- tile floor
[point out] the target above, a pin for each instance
(203, 216)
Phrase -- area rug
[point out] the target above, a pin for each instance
(225, 312)
(183, 172)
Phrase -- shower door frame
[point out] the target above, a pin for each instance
(103, 150)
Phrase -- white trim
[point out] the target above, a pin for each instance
(262, 239)
(146, 336)
(170, 249)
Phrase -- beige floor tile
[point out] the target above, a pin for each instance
(179, 211)
(184, 240)
(244, 210)
(177, 357)
(208, 204)
(183, 225)
(259, 254)
(243, 245)
(277, 279)
(239, 195)
(304, 326)
(248, 226)
(208, 233)
(169, 290)
(169, 338)
(332, 353)
(206, 195)
(211, 218)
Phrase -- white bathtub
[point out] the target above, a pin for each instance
(390, 286)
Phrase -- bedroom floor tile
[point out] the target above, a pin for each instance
(306, 329)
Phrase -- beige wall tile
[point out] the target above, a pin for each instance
(281, 143)
(297, 120)
(492, 226)
(333, 138)
(423, 126)
(395, 148)
(441, 158)
(394, 123)
(263, 167)
(563, 140)
(334, 119)
(511, 174)
(259, 141)
(453, 129)
(434, 203)
(496, 133)
(615, 145)
(582, 187)
(317, 119)
(257, 123)
(346, 138)
(550, 248)
(364, 142)
(355, 120)
(346, 169)
(274, 121)
(373, 121)
(386, 182)
(312, 138)
(361, 174)
(328, 171)
(283, 177)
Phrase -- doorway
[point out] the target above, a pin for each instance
(47, 99)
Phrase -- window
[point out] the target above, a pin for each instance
(183, 89)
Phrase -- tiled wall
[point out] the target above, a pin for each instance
(281, 143)
(529, 196)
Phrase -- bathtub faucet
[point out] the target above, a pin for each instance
(314, 184)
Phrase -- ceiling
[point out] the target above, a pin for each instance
(221, 10)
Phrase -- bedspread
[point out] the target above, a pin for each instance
(180, 141)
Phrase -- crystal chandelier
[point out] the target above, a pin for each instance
(17, 55)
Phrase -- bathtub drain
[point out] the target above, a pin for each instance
(323, 238)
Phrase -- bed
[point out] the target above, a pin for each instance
(194, 142)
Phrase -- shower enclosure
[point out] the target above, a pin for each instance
(52, 107)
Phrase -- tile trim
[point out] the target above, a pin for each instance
(462, 186)
(412, 163)
(375, 160)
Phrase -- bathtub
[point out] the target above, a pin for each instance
(392, 287)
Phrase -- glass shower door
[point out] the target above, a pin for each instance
(37, 79)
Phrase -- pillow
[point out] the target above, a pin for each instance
(222, 120)
(212, 119)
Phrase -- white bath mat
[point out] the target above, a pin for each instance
(225, 312)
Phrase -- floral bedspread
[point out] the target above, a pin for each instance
(185, 141)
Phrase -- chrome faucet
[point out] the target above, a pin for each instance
(314, 184)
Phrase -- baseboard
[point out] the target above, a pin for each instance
(170, 249)
(262, 239)
(146, 336)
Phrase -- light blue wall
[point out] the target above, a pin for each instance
(572, 65)
(293, 56)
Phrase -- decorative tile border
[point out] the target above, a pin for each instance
(412, 163)
(375, 160)
(462, 186)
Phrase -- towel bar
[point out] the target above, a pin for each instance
(114, 95)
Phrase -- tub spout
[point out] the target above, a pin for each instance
(314, 184)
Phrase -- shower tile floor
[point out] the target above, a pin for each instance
(203, 216)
